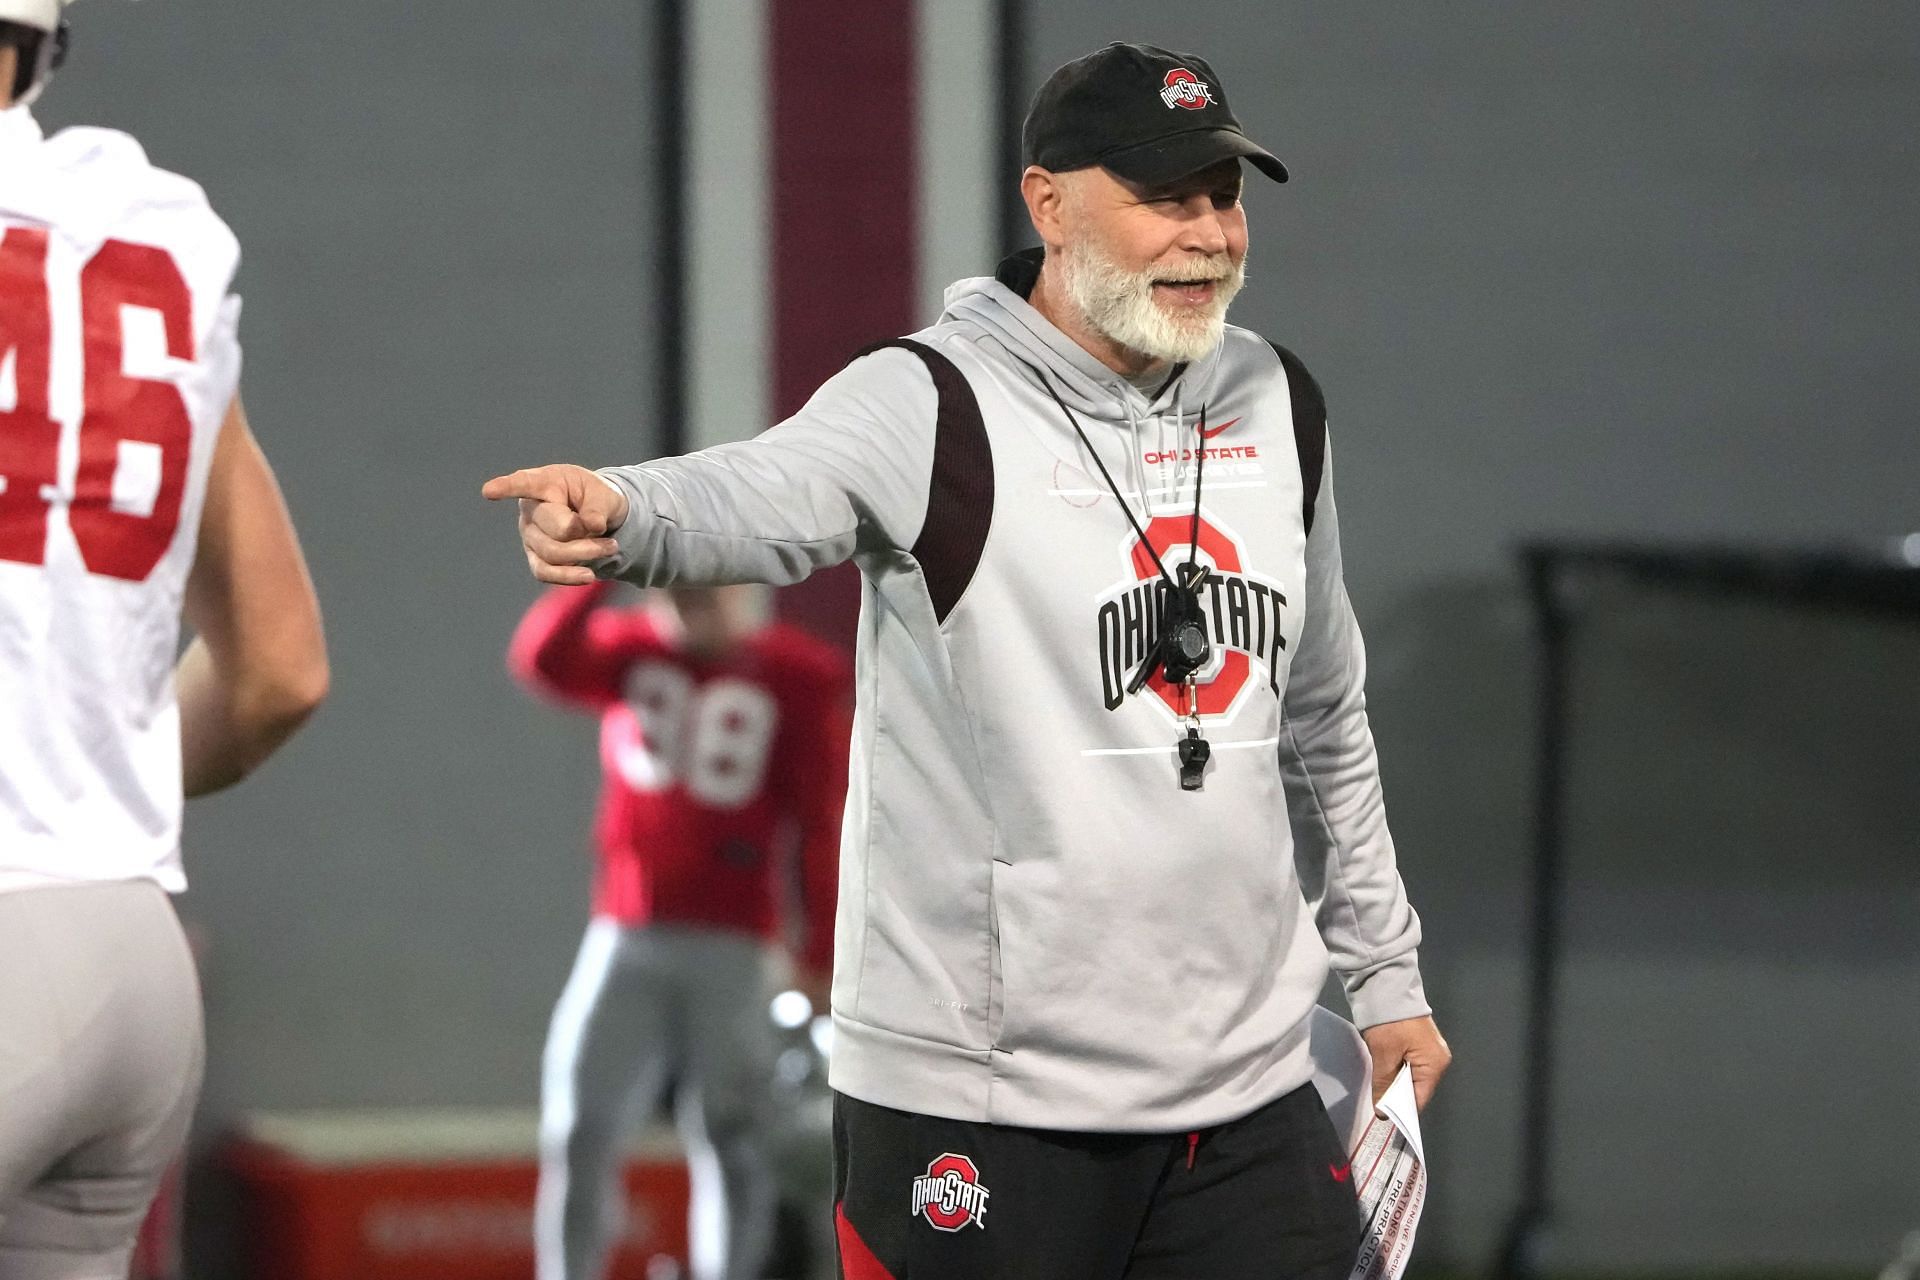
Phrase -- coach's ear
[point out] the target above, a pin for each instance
(1047, 199)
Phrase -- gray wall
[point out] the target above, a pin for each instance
(1613, 268)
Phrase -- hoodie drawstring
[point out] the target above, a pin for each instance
(1167, 453)
(1179, 433)
(1136, 460)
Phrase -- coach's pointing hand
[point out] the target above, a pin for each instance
(566, 513)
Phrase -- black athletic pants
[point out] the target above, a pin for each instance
(1268, 1196)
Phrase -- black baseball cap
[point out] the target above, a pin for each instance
(1150, 115)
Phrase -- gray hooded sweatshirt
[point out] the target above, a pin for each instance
(1037, 926)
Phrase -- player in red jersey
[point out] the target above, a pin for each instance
(723, 747)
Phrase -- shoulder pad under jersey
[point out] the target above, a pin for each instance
(108, 189)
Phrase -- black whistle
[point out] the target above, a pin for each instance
(1194, 753)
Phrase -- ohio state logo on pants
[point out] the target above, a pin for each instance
(949, 1195)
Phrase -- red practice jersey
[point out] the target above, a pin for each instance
(719, 776)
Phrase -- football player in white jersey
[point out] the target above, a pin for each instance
(131, 490)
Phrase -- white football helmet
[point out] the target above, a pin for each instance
(38, 58)
(44, 14)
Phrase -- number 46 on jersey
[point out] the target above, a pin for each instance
(120, 476)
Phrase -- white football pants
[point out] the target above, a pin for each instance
(649, 1009)
(101, 1050)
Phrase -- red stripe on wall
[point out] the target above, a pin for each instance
(844, 242)
(845, 255)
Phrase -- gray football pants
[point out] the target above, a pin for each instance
(650, 1009)
(101, 1049)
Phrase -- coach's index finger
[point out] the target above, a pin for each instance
(536, 483)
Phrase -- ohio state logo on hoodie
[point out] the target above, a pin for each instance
(1244, 614)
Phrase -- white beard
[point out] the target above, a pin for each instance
(1118, 304)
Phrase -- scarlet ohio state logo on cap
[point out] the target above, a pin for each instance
(949, 1195)
(1185, 89)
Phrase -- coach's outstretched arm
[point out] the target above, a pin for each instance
(844, 477)
(257, 667)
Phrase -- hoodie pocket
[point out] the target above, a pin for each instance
(996, 950)
(926, 935)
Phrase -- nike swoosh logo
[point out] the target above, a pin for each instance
(1341, 1172)
(1208, 433)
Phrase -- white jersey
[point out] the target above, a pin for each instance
(118, 359)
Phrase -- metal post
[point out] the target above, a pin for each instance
(670, 230)
(1519, 1255)
(1011, 70)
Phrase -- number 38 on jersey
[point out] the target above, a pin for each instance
(112, 465)
(711, 737)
